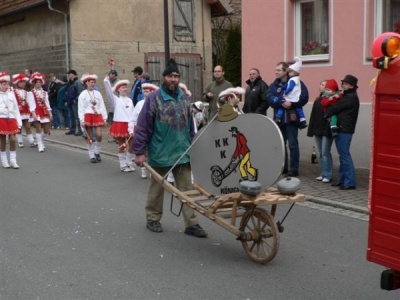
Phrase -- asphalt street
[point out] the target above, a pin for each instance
(70, 229)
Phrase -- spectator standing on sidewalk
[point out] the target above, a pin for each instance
(346, 111)
(53, 88)
(319, 129)
(113, 78)
(63, 111)
(166, 118)
(28, 86)
(256, 94)
(137, 84)
(10, 122)
(92, 115)
(21, 95)
(289, 127)
(214, 89)
(74, 89)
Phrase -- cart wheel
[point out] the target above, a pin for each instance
(260, 235)
(217, 175)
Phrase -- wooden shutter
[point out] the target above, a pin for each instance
(183, 20)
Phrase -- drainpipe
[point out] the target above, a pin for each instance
(66, 34)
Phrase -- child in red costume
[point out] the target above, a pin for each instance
(330, 97)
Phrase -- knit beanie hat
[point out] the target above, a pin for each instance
(296, 66)
(332, 85)
(171, 69)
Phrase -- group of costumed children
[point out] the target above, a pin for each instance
(19, 107)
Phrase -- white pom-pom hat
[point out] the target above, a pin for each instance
(19, 77)
(149, 86)
(37, 76)
(232, 92)
(185, 89)
(87, 77)
(4, 76)
(119, 84)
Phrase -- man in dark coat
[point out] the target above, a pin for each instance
(256, 94)
(346, 111)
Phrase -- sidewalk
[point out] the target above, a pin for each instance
(316, 191)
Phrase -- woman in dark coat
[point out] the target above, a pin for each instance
(320, 129)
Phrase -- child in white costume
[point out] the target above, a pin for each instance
(40, 108)
(122, 126)
(10, 122)
(292, 92)
(92, 115)
(147, 88)
(20, 80)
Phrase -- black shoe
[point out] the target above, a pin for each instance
(196, 230)
(69, 132)
(154, 226)
(292, 174)
(342, 187)
(79, 133)
(303, 124)
(98, 157)
(337, 184)
(93, 160)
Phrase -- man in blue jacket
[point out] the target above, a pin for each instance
(74, 88)
(164, 131)
(290, 122)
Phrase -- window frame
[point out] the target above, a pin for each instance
(298, 30)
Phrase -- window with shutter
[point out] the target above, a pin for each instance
(183, 20)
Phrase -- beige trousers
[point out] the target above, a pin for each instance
(155, 196)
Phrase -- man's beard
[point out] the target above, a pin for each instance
(171, 86)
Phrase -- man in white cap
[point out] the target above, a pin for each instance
(166, 118)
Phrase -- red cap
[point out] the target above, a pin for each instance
(332, 85)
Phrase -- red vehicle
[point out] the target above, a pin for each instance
(384, 195)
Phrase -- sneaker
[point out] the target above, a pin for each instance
(79, 133)
(98, 157)
(5, 165)
(326, 180)
(20, 145)
(154, 226)
(144, 173)
(319, 178)
(41, 149)
(126, 169)
(93, 160)
(196, 230)
(132, 168)
(33, 145)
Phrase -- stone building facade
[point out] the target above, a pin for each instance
(56, 35)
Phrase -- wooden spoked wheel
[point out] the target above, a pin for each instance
(260, 235)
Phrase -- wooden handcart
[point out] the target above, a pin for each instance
(256, 230)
